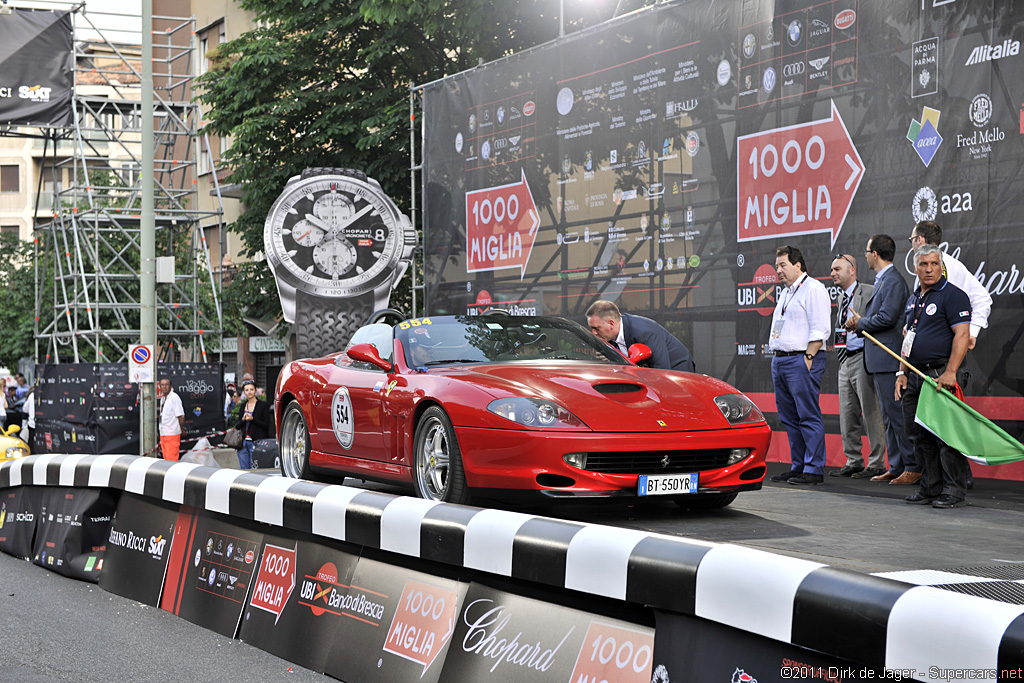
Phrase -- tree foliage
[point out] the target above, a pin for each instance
(17, 301)
(326, 83)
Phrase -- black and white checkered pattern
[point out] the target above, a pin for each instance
(872, 620)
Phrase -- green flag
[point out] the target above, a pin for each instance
(964, 428)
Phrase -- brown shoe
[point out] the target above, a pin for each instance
(907, 477)
(888, 476)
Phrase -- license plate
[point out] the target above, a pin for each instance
(666, 484)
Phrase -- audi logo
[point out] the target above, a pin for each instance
(794, 69)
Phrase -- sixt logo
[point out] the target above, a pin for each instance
(924, 135)
(36, 93)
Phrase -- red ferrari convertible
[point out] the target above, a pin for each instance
(498, 406)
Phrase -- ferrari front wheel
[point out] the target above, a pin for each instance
(294, 443)
(437, 461)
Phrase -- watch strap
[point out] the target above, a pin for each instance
(350, 172)
(325, 326)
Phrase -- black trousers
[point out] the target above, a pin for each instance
(945, 469)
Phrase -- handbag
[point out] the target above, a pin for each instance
(233, 438)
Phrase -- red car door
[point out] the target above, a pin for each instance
(350, 419)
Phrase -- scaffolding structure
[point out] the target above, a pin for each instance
(88, 299)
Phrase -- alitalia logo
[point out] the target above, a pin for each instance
(989, 53)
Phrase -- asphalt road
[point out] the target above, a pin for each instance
(57, 629)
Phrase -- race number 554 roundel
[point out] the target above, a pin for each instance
(341, 417)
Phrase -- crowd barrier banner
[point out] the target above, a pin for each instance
(135, 559)
(364, 566)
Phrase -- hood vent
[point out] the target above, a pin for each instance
(618, 388)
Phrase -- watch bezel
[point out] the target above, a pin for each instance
(398, 224)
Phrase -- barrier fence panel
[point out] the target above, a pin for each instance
(372, 587)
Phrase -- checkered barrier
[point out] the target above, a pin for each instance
(872, 620)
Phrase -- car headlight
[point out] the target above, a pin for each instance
(535, 412)
(738, 409)
(16, 452)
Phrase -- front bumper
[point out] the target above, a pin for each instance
(519, 460)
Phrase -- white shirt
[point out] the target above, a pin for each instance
(169, 415)
(807, 316)
(620, 341)
(981, 300)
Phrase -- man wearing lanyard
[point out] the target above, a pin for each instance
(858, 402)
(800, 325)
(938, 334)
(883, 319)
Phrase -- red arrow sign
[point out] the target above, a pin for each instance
(796, 180)
(501, 226)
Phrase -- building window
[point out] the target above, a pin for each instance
(10, 230)
(204, 61)
(10, 180)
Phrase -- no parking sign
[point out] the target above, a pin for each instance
(141, 362)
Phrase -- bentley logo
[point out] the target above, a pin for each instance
(665, 462)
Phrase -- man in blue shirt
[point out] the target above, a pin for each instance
(938, 335)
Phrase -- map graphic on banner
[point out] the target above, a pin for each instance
(658, 161)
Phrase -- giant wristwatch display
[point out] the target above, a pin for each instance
(336, 245)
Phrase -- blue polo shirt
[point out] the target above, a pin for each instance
(934, 315)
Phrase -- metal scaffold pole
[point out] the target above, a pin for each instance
(147, 229)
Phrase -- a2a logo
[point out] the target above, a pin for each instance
(927, 204)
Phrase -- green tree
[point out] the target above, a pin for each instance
(17, 301)
(326, 83)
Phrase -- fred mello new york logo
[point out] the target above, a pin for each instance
(924, 135)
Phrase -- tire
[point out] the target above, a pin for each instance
(437, 461)
(294, 445)
(711, 501)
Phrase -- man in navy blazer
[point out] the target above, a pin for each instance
(883, 319)
(622, 330)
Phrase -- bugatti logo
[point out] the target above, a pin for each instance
(665, 461)
(845, 19)
(741, 676)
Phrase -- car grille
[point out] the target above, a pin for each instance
(654, 462)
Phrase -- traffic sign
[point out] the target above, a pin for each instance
(141, 364)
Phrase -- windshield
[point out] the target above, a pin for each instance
(451, 340)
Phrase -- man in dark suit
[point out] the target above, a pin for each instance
(621, 330)
(884, 319)
(859, 412)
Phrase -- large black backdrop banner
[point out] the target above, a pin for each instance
(37, 76)
(659, 160)
(92, 407)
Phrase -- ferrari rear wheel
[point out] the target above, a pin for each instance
(437, 461)
(711, 501)
(294, 443)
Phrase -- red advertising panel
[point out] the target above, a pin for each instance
(797, 180)
(501, 226)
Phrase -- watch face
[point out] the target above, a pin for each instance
(333, 236)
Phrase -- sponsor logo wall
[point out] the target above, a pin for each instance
(38, 75)
(92, 408)
(662, 169)
(137, 549)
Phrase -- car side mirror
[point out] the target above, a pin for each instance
(639, 353)
(368, 354)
